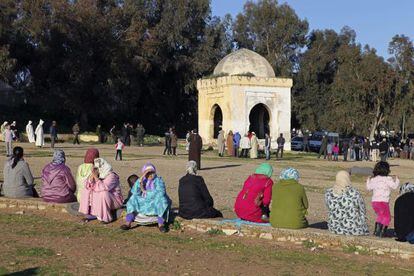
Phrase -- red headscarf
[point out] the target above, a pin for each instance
(91, 155)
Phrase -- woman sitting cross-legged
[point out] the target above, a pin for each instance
(148, 198)
(18, 179)
(404, 214)
(195, 200)
(289, 202)
(346, 208)
(252, 203)
(101, 195)
(58, 183)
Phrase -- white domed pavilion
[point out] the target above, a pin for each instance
(244, 95)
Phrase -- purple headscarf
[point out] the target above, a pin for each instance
(148, 167)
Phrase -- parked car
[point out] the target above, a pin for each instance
(315, 141)
(297, 143)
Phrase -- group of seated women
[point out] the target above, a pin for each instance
(284, 204)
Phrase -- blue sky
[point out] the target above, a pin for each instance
(375, 21)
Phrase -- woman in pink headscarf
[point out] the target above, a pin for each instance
(101, 195)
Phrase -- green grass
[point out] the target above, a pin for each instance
(215, 232)
(352, 249)
(35, 252)
(309, 244)
(42, 227)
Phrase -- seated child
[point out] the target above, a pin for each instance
(131, 181)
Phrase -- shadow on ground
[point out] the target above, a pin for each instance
(220, 167)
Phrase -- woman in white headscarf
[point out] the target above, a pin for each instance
(40, 139)
(101, 195)
(30, 132)
(346, 208)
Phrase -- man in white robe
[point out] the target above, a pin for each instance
(30, 132)
(40, 139)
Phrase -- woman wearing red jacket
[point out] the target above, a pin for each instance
(252, 203)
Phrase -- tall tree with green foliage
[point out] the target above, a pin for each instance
(274, 31)
(402, 60)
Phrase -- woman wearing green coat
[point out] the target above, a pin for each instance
(289, 202)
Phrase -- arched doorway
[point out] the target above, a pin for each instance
(217, 120)
(259, 119)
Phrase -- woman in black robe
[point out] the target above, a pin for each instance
(196, 144)
(404, 214)
(195, 200)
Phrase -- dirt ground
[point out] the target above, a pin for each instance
(37, 242)
(224, 176)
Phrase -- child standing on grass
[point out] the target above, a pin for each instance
(119, 147)
(381, 185)
(335, 151)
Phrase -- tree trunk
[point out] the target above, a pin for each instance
(377, 121)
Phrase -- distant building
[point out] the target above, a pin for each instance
(244, 95)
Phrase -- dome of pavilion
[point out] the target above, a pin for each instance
(243, 62)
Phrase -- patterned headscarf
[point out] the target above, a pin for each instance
(289, 173)
(104, 168)
(149, 183)
(91, 155)
(406, 188)
(343, 180)
(192, 167)
(148, 167)
(59, 157)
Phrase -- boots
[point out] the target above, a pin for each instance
(383, 233)
(378, 229)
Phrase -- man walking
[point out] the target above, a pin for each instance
(53, 134)
(383, 149)
(76, 131)
(140, 134)
(112, 132)
(324, 147)
(196, 145)
(280, 145)
(8, 139)
(268, 144)
(167, 149)
(236, 143)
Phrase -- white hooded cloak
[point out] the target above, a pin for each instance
(30, 132)
(40, 139)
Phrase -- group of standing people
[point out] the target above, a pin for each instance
(246, 146)
(11, 134)
(354, 149)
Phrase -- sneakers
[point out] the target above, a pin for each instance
(378, 229)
